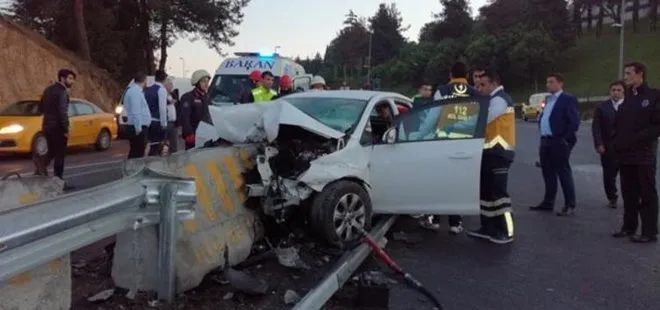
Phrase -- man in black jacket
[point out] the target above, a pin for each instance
(55, 125)
(195, 107)
(602, 130)
(637, 128)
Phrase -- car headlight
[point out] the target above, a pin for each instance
(119, 109)
(16, 128)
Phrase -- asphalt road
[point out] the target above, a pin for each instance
(83, 167)
(554, 263)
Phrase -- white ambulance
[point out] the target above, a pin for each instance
(231, 77)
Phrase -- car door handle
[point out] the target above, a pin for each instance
(460, 155)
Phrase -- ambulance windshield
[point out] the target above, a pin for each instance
(227, 89)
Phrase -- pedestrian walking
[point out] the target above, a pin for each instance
(195, 107)
(602, 131)
(138, 116)
(560, 120)
(156, 96)
(635, 144)
(54, 106)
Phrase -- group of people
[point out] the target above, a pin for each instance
(155, 114)
(625, 130)
(260, 88)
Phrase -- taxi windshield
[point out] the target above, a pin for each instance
(226, 89)
(22, 108)
(341, 114)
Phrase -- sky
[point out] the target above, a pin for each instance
(299, 27)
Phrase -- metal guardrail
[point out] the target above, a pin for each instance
(40, 232)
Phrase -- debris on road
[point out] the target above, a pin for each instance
(245, 283)
(291, 297)
(101, 296)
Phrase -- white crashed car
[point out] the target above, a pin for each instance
(335, 154)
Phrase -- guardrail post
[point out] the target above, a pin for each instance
(167, 242)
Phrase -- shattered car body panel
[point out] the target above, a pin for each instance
(303, 152)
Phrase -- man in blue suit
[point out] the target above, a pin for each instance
(558, 124)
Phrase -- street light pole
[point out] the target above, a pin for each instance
(183, 67)
(275, 49)
(371, 34)
(621, 35)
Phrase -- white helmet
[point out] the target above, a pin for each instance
(318, 80)
(198, 75)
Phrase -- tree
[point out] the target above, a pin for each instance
(83, 42)
(653, 15)
(453, 22)
(533, 54)
(349, 49)
(386, 28)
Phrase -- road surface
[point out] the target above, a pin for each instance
(554, 263)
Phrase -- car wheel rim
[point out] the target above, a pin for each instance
(41, 146)
(349, 217)
(104, 140)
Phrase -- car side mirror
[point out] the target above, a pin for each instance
(390, 136)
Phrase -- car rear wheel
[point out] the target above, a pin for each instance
(103, 140)
(39, 145)
(341, 212)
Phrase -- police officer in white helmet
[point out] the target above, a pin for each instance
(195, 106)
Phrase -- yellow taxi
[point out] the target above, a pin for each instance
(20, 127)
(532, 109)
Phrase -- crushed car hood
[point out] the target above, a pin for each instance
(254, 122)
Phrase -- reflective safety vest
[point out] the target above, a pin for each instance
(260, 94)
(500, 138)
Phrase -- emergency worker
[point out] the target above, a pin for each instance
(498, 154)
(318, 83)
(456, 88)
(286, 87)
(195, 107)
(253, 82)
(265, 92)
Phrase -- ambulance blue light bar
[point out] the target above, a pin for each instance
(260, 55)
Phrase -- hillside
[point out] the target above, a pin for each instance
(594, 61)
(30, 63)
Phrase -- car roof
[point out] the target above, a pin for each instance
(345, 94)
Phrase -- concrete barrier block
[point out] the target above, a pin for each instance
(47, 287)
(222, 221)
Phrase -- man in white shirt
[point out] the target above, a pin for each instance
(171, 135)
(138, 116)
(602, 130)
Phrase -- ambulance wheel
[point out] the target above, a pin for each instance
(340, 212)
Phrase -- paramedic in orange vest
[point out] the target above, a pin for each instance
(498, 155)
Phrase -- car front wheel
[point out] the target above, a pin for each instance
(341, 212)
(103, 140)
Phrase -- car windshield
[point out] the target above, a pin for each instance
(227, 89)
(22, 108)
(341, 114)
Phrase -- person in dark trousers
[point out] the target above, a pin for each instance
(172, 136)
(559, 122)
(55, 124)
(498, 155)
(156, 96)
(195, 107)
(457, 87)
(602, 131)
(286, 87)
(138, 116)
(635, 144)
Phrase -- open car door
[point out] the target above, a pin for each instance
(431, 160)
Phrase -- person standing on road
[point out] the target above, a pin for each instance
(424, 94)
(253, 82)
(602, 130)
(456, 88)
(477, 73)
(156, 96)
(498, 155)
(195, 107)
(559, 122)
(637, 128)
(171, 136)
(317, 83)
(265, 92)
(55, 124)
(138, 116)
